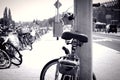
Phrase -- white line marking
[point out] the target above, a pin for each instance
(105, 39)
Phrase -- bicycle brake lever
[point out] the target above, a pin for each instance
(66, 50)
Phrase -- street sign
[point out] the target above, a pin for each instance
(57, 4)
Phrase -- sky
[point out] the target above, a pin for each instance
(27, 10)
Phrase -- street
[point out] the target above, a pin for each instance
(111, 40)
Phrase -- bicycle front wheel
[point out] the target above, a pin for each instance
(16, 57)
(49, 70)
(5, 60)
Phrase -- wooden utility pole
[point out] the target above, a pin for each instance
(83, 24)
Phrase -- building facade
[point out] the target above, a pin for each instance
(108, 12)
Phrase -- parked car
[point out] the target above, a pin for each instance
(111, 28)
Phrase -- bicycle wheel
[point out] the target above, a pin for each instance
(16, 57)
(5, 60)
(49, 70)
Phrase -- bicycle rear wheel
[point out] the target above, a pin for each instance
(5, 60)
(49, 70)
(16, 57)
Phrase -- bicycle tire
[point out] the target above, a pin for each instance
(16, 57)
(5, 60)
(46, 67)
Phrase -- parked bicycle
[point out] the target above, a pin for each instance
(66, 67)
(25, 39)
(8, 53)
(5, 60)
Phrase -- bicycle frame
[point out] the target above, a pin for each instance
(69, 65)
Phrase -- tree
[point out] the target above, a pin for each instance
(9, 15)
(51, 21)
(7, 18)
(5, 13)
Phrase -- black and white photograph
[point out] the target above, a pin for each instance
(59, 39)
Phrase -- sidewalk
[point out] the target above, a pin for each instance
(105, 60)
(106, 63)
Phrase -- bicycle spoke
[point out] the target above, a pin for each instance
(15, 60)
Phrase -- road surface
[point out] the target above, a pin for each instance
(110, 40)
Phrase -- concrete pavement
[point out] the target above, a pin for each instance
(106, 63)
(105, 60)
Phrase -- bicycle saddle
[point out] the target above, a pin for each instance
(70, 35)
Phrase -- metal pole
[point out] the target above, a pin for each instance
(83, 24)
(57, 30)
(57, 12)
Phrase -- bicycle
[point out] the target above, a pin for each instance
(25, 40)
(66, 67)
(12, 53)
(5, 60)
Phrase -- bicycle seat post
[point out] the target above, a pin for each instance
(74, 46)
